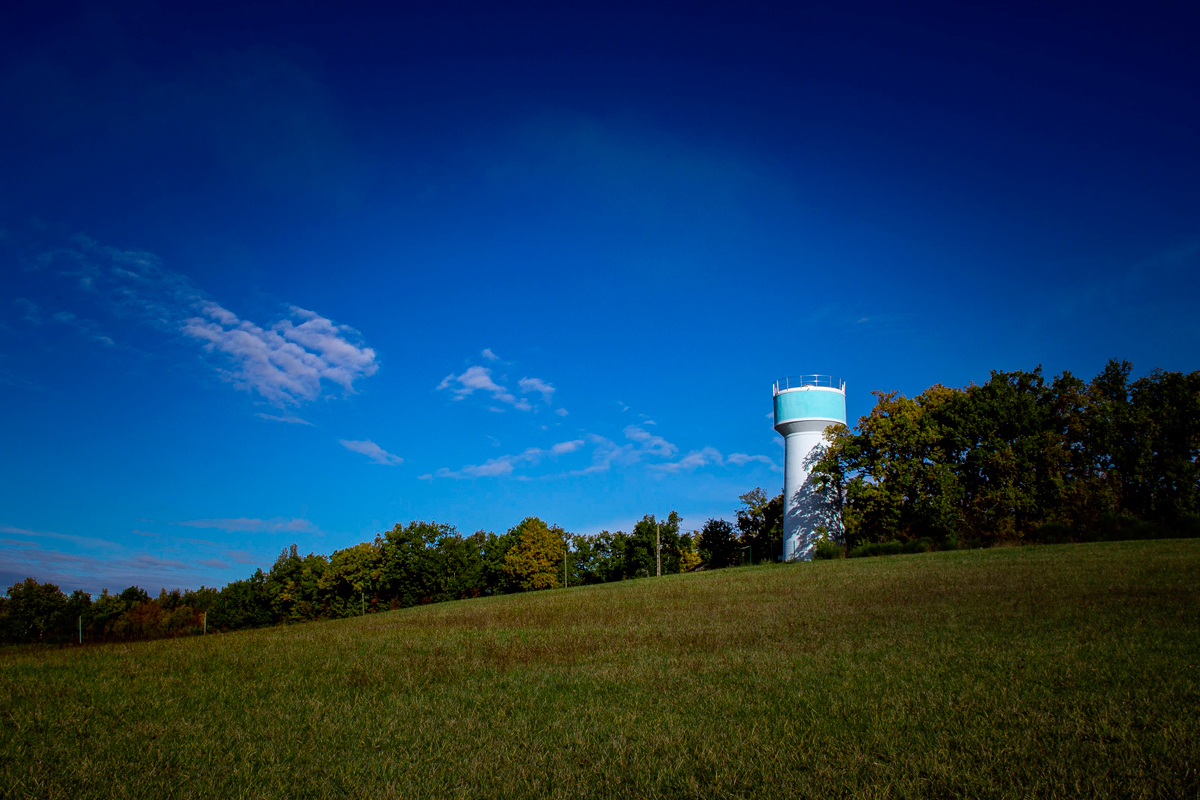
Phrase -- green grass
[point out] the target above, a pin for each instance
(1065, 671)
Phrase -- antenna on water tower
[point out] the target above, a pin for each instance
(805, 405)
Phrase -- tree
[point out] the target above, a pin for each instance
(760, 523)
(1017, 456)
(293, 586)
(33, 612)
(689, 556)
(242, 604)
(599, 558)
(718, 544)
(1166, 424)
(353, 576)
(461, 565)
(410, 562)
(134, 595)
(536, 557)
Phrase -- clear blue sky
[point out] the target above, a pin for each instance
(295, 274)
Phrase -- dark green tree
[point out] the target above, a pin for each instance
(640, 548)
(410, 562)
(718, 544)
(760, 525)
(34, 612)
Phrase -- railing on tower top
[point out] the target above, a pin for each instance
(796, 381)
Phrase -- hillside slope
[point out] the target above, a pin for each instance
(1047, 671)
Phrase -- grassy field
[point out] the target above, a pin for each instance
(1066, 671)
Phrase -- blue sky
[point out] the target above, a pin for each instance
(279, 277)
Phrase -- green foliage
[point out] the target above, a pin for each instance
(760, 525)
(33, 612)
(242, 604)
(135, 595)
(828, 550)
(689, 554)
(535, 560)
(40, 612)
(718, 544)
(597, 559)
(640, 553)
(1019, 459)
(892, 548)
(353, 574)
(409, 561)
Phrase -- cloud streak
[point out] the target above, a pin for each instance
(711, 456)
(70, 571)
(288, 418)
(82, 541)
(371, 451)
(507, 464)
(649, 443)
(248, 525)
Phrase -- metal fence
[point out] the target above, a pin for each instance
(796, 381)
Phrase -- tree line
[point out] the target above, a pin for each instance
(1018, 459)
(414, 564)
(1021, 459)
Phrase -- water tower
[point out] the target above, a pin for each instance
(805, 405)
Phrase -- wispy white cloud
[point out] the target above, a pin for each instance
(287, 361)
(17, 382)
(371, 451)
(739, 459)
(650, 443)
(605, 453)
(82, 541)
(248, 525)
(507, 464)
(642, 445)
(200, 542)
(480, 379)
(242, 557)
(537, 385)
(84, 326)
(489, 355)
(284, 418)
(693, 460)
(29, 310)
(562, 412)
(91, 571)
(710, 457)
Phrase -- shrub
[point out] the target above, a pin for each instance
(892, 548)
(1057, 533)
(828, 550)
